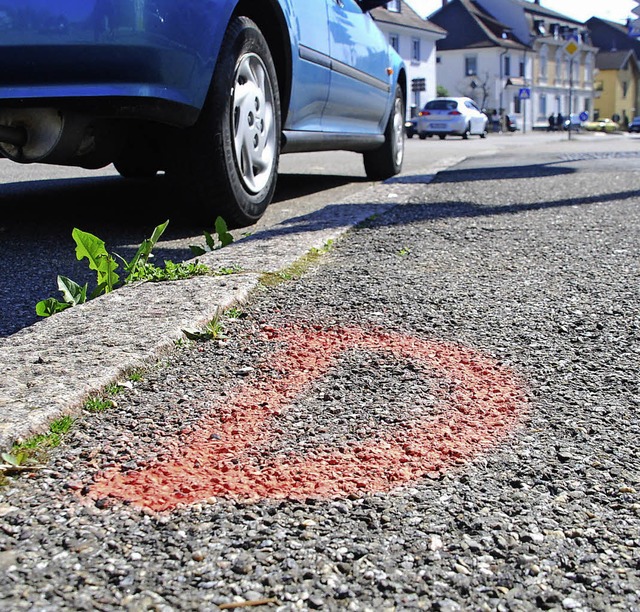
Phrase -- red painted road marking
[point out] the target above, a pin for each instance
(479, 406)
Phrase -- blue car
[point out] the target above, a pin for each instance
(208, 92)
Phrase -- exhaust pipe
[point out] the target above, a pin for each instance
(40, 135)
(16, 136)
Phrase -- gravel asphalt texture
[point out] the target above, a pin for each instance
(529, 263)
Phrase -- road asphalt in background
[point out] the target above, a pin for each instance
(439, 412)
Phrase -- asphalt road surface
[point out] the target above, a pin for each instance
(438, 410)
(42, 204)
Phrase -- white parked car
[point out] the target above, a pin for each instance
(451, 117)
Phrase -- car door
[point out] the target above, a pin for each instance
(311, 63)
(477, 119)
(360, 89)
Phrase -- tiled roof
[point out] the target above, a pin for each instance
(475, 27)
(532, 7)
(407, 17)
(614, 60)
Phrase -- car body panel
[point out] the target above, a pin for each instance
(601, 125)
(634, 125)
(311, 69)
(107, 48)
(574, 122)
(166, 50)
(361, 81)
(208, 92)
(411, 127)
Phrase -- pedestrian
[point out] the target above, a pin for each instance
(495, 121)
(560, 121)
(552, 123)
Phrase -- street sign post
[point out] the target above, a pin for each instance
(571, 48)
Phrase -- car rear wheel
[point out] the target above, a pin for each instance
(136, 162)
(442, 136)
(386, 161)
(230, 163)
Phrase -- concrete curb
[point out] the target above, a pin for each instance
(52, 367)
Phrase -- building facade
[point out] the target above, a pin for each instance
(414, 38)
(516, 57)
(617, 75)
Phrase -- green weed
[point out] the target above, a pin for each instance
(98, 404)
(297, 268)
(139, 268)
(221, 239)
(28, 454)
(213, 330)
(235, 313)
(104, 264)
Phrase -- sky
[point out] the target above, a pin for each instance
(612, 10)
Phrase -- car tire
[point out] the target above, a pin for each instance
(423, 136)
(386, 161)
(134, 170)
(137, 158)
(442, 136)
(230, 163)
(465, 134)
(135, 166)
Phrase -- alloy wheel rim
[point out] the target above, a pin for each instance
(253, 122)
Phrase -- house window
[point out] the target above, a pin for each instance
(521, 68)
(415, 49)
(544, 50)
(470, 65)
(542, 107)
(394, 41)
(575, 71)
(625, 88)
(588, 68)
(394, 6)
(507, 66)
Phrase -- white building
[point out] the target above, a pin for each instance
(414, 38)
(515, 57)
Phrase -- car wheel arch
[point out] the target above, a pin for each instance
(273, 24)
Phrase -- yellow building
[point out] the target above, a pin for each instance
(563, 69)
(616, 86)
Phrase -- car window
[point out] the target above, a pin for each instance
(441, 105)
(471, 105)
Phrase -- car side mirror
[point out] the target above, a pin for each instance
(367, 5)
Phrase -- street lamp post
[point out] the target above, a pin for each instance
(501, 103)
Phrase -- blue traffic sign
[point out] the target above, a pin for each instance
(524, 93)
(584, 115)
